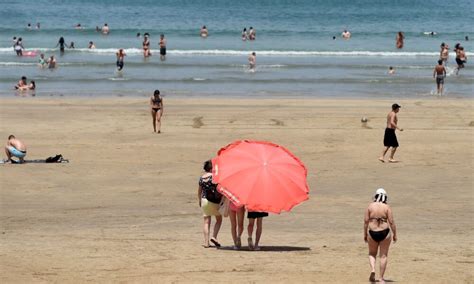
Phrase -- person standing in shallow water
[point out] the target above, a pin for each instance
(439, 73)
(162, 45)
(378, 221)
(390, 139)
(156, 104)
(400, 39)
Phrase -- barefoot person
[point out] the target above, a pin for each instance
(444, 53)
(390, 139)
(146, 45)
(162, 45)
(120, 57)
(209, 199)
(439, 73)
(460, 58)
(378, 221)
(252, 216)
(400, 38)
(236, 216)
(252, 61)
(156, 103)
(15, 148)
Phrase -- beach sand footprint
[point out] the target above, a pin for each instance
(197, 122)
(278, 122)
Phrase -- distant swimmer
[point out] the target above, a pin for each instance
(91, 45)
(52, 62)
(162, 45)
(156, 104)
(444, 53)
(333, 37)
(430, 33)
(42, 61)
(461, 58)
(97, 29)
(146, 45)
(78, 27)
(346, 34)
(252, 34)
(105, 29)
(139, 35)
(29, 26)
(400, 38)
(61, 43)
(391, 70)
(252, 61)
(19, 47)
(390, 139)
(245, 35)
(204, 32)
(71, 45)
(120, 57)
(38, 26)
(466, 38)
(439, 73)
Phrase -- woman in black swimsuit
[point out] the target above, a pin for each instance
(156, 103)
(146, 45)
(378, 221)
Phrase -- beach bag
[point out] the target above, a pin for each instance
(224, 207)
(213, 195)
(55, 159)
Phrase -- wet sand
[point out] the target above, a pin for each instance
(125, 208)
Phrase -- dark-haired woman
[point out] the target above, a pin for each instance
(209, 199)
(61, 43)
(378, 222)
(156, 103)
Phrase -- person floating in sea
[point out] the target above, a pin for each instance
(146, 45)
(42, 61)
(252, 61)
(61, 43)
(120, 59)
(444, 53)
(162, 45)
(399, 40)
(156, 104)
(252, 34)
(378, 221)
(52, 62)
(439, 73)
(105, 29)
(390, 139)
(15, 148)
(91, 45)
(204, 32)
(245, 36)
(346, 34)
(18, 46)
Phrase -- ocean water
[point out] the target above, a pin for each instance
(296, 53)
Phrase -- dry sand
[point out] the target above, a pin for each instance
(125, 208)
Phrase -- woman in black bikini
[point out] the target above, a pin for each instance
(146, 45)
(156, 103)
(378, 221)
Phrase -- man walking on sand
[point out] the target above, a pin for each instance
(390, 139)
(15, 148)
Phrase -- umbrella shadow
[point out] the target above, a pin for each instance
(269, 249)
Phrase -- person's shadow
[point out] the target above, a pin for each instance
(267, 249)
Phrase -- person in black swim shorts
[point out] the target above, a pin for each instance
(162, 47)
(390, 139)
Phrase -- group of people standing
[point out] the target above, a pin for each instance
(210, 200)
(439, 72)
(251, 34)
(146, 45)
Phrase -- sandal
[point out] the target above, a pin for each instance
(215, 242)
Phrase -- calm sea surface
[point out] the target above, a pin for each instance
(296, 53)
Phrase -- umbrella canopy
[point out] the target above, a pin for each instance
(260, 175)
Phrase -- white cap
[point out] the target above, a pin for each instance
(380, 191)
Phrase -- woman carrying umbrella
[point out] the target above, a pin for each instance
(209, 199)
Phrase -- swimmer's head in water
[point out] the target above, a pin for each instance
(156, 93)
(380, 195)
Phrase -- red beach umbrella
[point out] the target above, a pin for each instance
(260, 175)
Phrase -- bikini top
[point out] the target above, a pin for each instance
(156, 100)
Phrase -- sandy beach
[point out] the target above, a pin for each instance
(125, 208)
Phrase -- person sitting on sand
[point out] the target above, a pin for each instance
(258, 233)
(22, 85)
(209, 199)
(156, 104)
(378, 221)
(236, 216)
(390, 139)
(105, 29)
(204, 32)
(346, 34)
(15, 148)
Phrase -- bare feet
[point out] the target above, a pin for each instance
(381, 160)
(250, 241)
(372, 277)
(205, 246)
(381, 280)
(392, 161)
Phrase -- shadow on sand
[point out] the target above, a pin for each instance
(268, 248)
